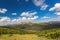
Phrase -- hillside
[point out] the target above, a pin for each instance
(48, 31)
(36, 26)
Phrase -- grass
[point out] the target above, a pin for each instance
(50, 33)
(22, 37)
(18, 34)
(19, 37)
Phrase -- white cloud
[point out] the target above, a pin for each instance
(46, 17)
(51, 9)
(8, 21)
(51, 19)
(32, 18)
(28, 14)
(29, 18)
(43, 7)
(26, 17)
(40, 3)
(14, 13)
(35, 17)
(56, 8)
(4, 21)
(25, 14)
(57, 13)
(2, 10)
(14, 20)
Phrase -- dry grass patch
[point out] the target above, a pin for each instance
(21, 37)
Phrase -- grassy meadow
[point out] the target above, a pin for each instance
(15, 33)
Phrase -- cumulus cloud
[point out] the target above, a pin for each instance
(56, 8)
(8, 21)
(25, 17)
(25, 14)
(51, 19)
(33, 18)
(4, 20)
(46, 17)
(28, 14)
(2, 10)
(51, 9)
(14, 20)
(57, 13)
(40, 3)
(14, 13)
(43, 7)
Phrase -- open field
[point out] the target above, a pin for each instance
(14, 34)
(30, 32)
(23, 37)
(19, 37)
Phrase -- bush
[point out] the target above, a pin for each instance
(53, 36)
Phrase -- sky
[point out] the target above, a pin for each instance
(15, 11)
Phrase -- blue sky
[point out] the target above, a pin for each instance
(39, 10)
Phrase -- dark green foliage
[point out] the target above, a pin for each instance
(51, 33)
(53, 36)
(13, 31)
